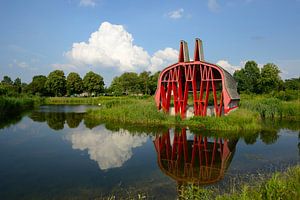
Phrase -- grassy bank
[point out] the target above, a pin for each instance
(254, 109)
(250, 115)
(83, 100)
(12, 108)
(269, 107)
(281, 186)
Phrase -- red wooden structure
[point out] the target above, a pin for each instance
(206, 83)
(201, 160)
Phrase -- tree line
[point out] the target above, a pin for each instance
(92, 84)
(250, 79)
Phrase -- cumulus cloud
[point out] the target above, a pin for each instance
(227, 66)
(86, 3)
(163, 58)
(112, 46)
(213, 5)
(109, 150)
(176, 14)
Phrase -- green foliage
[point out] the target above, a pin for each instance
(56, 83)
(74, 84)
(7, 80)
(127, 83)
(240, 119)
(144, 82)
(248, 77)
(132, 83)
(37, 85)
(281, 186)
(287, 95)
(93, 83)
(252, 80)
(270, 79)
(292, 84)
(18, 85)
(194, 192)
(12, 106)
(130, 110)
(270, 107)
(10, 88)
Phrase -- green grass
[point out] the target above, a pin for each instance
(12, 105)
(253, 111)
(133, 111)
(250, 116)
(269, 107)
(280, 186)
(12, 109)
(144, 112)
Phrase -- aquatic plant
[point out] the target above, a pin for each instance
(280, 186)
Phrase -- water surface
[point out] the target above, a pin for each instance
(56, 152)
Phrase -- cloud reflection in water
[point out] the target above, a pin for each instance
(108, 149)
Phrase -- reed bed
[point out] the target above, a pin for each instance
(12, 106)
(280, 186)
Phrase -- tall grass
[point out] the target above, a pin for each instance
(280, 186)
(89, 100)
(12, 106)
(238, 120)
(134, 111)
(270, 107)
(140, 110)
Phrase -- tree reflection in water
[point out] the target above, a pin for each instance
(198, 159)
(57, 120)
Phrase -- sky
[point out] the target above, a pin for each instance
(110, 37)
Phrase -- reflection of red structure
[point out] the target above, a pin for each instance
(198, 161)
(200, 78)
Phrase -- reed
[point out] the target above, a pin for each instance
(280, 186)
(12, 106)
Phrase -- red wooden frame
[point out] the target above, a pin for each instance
(202, 160)
(197, 77)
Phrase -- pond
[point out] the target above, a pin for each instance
(57, 152)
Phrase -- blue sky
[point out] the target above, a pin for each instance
(110, 37)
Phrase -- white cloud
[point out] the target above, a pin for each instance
(176, 14)
(86, 3)
(111, 46)
(227, 66)
(162, 59)
(109, 150)
(213, 5)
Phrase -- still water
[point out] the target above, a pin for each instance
(57, 152)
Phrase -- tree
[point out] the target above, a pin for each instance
(37, 85)
(74, 83)
(292, 84)
(153, 82)
(56, 83)
(127, 83)
(144, 82)
(93, 83)
(116, 87)
(18, 85)
(270, 79)
(248, 78)
(7, 80)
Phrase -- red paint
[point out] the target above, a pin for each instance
(196, 77)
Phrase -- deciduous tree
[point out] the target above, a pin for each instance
(56, 83)
(270, 79)
(93, 83)
(74, 83)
